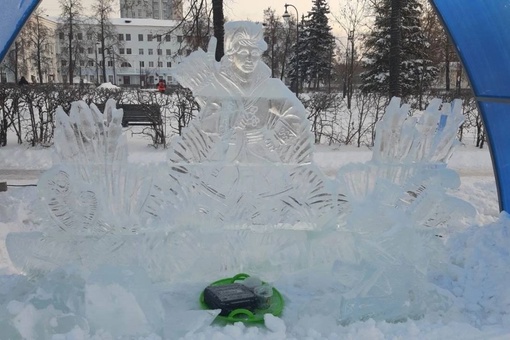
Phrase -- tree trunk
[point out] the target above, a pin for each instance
(70, 39)
(219, 30)
(447, 64)
(395, 47)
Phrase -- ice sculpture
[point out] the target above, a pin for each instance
(240, 193)
(92, 190)
(246, 160)
(401, 191)
(246, 116)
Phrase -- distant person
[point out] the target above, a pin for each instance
(22, 81)
(161, 86)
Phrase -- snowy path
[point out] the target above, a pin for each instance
(19, 174)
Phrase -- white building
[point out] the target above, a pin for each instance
(148, 50)
(154, 9)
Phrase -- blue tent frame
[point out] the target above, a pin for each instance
(480, 31)
(19, 12)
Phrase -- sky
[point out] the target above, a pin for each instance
(236, 9)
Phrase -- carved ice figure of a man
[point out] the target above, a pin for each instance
(253, 118)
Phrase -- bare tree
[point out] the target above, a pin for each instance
(69, 27)
(353, 18)
(197, 25)
(16, 59)
(106, 33)
(277, 40)
(441, 49)
(38, 34)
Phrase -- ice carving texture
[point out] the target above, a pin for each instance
(399, 207)
(246, 116)
(240, 193)
(93, 190)
(252, 140)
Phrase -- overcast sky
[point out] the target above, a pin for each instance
(239, 9)
(234, 9)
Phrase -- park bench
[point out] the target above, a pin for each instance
(138, 114)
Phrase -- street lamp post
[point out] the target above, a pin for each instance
(97, 67)
(111, 50)
(286, 15)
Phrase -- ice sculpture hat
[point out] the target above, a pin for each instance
(243, 33)
(16, 13)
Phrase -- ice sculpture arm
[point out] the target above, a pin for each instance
(197, 70)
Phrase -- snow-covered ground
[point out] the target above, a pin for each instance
(477, 281)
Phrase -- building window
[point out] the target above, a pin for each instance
(128, 37)
(140, 37)
(151, 51)
(179, 38)
(121, 51)
(80, 36)
(90, 50)
(142, 64)
(125, 64)
(109, 63)
(140, 51)
(167, 37)
(121, 37)
(82, 62)
(149, 37)
(160, 64)
(61, 35)
(128, 51)
(168, 64)
(158, 38)
(168, 52)
(90, 63)
(89, 36)
(151, 64)
(160, 52)
(81, 49)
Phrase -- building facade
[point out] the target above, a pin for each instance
(146, 51)
(143, 51)
(151, 9)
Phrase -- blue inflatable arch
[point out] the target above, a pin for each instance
(13, 15)
(480, 31)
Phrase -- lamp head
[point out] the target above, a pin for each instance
(286, 15)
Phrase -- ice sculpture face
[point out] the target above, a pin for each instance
(246, 59)
(244, 49)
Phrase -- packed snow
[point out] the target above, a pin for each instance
(475, 279)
